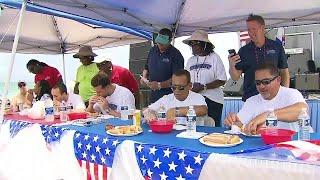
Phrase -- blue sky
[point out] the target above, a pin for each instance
(119, 56)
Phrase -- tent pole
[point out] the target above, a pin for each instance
(13, 54)
(64, 69)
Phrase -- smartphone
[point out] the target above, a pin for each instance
(232, 52)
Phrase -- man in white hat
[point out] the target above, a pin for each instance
(207, 73)
(163, 60)
(85, 73)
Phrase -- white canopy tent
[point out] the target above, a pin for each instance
(187, 15)
(46, 34)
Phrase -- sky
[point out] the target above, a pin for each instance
(119, 56)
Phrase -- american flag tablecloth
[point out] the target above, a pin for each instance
(95, 154)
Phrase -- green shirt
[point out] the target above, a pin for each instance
(84, 76)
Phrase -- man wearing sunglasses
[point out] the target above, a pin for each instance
(286, 102)
(177, 103)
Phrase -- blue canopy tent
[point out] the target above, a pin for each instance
(65, 47)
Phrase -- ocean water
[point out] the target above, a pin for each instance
(13, 88)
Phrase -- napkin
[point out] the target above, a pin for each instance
(179, 127)
(188, 135)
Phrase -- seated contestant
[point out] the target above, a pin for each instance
(286, 102)
(110, 97)
(60, 93)
(40, 88)
(177, 103)
(21, 98)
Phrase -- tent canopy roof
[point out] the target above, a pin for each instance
(188, 15)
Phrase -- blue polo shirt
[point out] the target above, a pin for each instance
(161, 66)
(251, 56)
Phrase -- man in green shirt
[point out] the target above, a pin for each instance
(85, 72)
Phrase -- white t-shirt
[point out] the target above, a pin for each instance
(121, 97)
(170, 101)
(256, 105)
(76, 101)
(204, 70)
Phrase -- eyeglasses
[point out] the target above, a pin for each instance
(194, 43)
(265, 81)
(178, 87)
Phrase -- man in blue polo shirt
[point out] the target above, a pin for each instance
(163, 60)
(260, 49)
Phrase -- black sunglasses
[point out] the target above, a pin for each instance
(264, 81)
(178, 87)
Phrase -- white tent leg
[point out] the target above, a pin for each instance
(13, 54)
(64, 69)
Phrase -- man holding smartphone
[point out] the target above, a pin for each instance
(259, 50)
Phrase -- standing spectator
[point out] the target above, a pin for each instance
(85, 72)
(163, 60)
(44, 72)
(259, 50)
(118, 75)
(207, 73)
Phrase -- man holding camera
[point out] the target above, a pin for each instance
(260, 49)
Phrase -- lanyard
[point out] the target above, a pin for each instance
(199, 67)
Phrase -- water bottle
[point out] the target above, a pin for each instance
(124, 112)
(63, 112)
(48, 108)
(191, 121)
(271, 123)
(69, 107)
(304, 123)
(162, 113)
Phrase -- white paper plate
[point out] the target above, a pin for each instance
(132, 134)
(251, 135)
(219, 145)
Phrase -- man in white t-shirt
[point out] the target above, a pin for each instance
(110, 97)
(177, 103)
(59, 94)
(286, 102)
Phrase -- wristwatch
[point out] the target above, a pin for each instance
(204, 87)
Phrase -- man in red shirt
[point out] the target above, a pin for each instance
(44, 72)
(119, 75)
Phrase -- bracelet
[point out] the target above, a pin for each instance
(159, 85)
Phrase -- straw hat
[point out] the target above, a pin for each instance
(85, 51)
(198, 35)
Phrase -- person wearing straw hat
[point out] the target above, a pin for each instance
(207, 73)
(163, 60)
(85, 73)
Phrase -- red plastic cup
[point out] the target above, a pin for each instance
(280, 135)
(161, 126)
